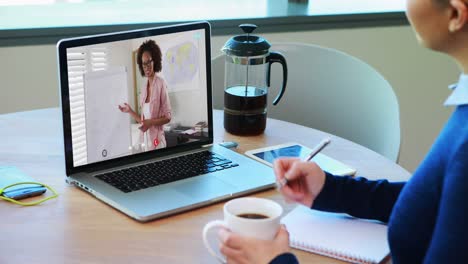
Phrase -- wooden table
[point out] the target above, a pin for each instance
(77, 228)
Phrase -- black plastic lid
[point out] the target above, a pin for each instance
(246, 45)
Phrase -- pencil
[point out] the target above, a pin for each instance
(320, 146)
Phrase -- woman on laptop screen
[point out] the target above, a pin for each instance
(154, 100)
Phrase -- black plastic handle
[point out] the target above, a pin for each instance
(277, 57)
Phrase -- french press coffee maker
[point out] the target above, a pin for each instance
(247, 80)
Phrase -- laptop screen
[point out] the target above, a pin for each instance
(134, 93)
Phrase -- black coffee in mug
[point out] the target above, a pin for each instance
(252, 216)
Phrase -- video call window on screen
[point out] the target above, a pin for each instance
(104, 76)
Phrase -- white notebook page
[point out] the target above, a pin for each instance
(337, 235)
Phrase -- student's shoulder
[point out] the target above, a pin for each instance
(457, 165)
(459, 131)
(461, 114)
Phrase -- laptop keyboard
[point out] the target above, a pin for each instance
(165, 171)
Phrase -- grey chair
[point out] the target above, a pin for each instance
(331, 91)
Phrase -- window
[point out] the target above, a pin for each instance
(80, 61)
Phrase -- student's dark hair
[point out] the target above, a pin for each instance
(153, 48)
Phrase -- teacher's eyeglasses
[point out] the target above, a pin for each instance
(147, 64)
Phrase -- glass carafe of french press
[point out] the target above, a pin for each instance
(247, 80)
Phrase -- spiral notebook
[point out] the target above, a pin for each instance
(337, 235)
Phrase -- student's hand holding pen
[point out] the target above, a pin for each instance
(301, 181)
(305, 180)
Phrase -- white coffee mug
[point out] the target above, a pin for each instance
(248, 216)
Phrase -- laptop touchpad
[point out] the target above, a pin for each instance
(205, 187)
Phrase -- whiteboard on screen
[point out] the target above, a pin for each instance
(108, 133)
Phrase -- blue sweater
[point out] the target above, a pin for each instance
(427, 216)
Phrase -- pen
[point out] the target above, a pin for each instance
(312, 154)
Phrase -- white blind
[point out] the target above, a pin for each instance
(98, 59)
(80, 61)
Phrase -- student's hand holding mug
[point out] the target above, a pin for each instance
(251, 250)
(305, 180)
(250, 232)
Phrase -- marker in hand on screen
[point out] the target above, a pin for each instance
(283, 182)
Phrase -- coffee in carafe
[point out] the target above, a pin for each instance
(245, 110)
(247, 79)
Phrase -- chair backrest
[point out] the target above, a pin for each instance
(331, 91)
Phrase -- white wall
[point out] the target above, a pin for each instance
(419, 77)
(119, 55)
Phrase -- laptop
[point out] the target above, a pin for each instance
(107, 152)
